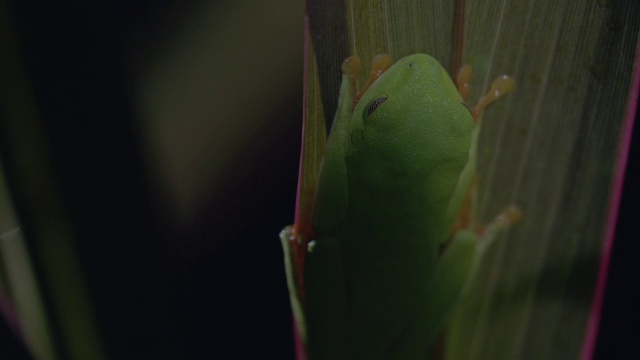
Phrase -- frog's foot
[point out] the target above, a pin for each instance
(351, 67)
(379, 64)
(463, 80)
(294, 245)
(295, 283)
(500, 87)
(509, 216)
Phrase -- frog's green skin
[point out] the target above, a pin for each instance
(392, 183)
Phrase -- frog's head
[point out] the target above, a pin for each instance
(410, 125)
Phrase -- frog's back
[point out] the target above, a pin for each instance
(408, 143)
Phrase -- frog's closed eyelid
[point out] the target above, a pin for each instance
(375, 104)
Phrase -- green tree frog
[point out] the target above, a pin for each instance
(391, 248)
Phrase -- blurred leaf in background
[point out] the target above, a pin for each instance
(164, 137)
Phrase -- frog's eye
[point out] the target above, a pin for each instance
(374, 104)
(468, 109)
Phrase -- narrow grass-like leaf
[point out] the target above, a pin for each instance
(48, 231)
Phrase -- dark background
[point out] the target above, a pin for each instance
(214, 288)
(153, 299)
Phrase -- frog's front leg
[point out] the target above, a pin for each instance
(326, 301)
(319, 301)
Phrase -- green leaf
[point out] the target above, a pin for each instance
(553, 147)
